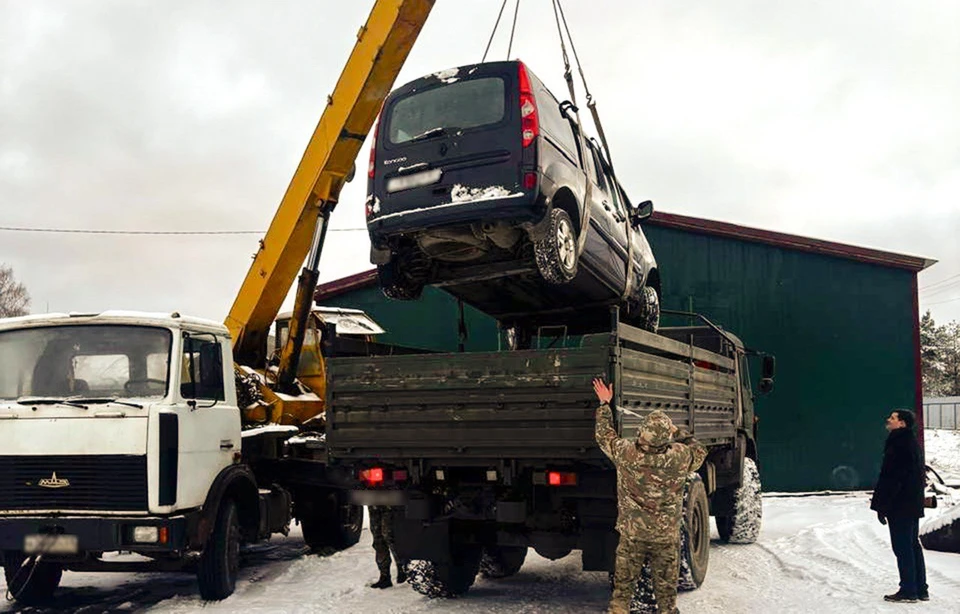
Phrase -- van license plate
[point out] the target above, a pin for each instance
(52, 544)
(415, 180)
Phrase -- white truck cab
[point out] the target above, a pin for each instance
(120, 431)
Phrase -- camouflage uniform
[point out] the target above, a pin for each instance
(651, 474)
(381, 527)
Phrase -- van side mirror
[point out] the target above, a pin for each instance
(641, 212)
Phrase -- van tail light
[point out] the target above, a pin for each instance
(372, 477)
(561, 478)
(373, 146)
(529, 181)
(529, 121)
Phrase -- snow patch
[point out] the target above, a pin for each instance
(462, 194)
(949, 516)
(448, 76)
(376, 206)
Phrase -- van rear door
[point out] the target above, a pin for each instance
(449, 137)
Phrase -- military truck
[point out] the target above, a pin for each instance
(489, 454)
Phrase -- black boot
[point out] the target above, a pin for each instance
(383, 582)
(900, 597)
(401, 574)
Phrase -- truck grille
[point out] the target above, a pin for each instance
(109, 483)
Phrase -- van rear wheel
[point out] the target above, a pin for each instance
(556, 253)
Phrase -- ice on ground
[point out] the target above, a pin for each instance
(815, 554)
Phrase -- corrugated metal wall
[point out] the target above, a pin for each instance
(842, 332)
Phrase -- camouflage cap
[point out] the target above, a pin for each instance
(657, 429)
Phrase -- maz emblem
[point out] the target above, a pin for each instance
(53, 482)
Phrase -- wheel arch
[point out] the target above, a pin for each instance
(238, 483)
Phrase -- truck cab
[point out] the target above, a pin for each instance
(120, 431)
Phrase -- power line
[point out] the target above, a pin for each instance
(87, 231)
(937, 283)
(949, 300)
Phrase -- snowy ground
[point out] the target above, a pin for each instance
(821, 553)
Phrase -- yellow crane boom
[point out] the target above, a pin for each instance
(382, 46)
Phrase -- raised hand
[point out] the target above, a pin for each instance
(604, 392)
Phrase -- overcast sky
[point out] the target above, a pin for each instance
(836, 119)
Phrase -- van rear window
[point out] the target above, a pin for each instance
(456, 106)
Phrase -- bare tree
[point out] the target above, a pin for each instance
(14, 298)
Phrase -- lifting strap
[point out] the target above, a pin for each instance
(592, 105)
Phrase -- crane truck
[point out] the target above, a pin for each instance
(164, 435)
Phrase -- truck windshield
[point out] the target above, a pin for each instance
(446, 109)
(84, 361)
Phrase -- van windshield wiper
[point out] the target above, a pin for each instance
(429, 133)
(50, 401)
(104, 400)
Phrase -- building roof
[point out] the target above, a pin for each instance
(711, 228)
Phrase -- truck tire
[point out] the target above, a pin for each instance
(649, 318)
(502, 561)
(220, 560)
(396, 285)
(556, 253)
(694, 535)
(330, 523)
(644, 600)
(743, 527)
(446, 580)
(30, 583)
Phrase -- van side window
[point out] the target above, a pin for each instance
(555, 124)
(599, 175)
(201, 369)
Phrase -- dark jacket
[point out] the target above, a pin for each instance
(899, 490)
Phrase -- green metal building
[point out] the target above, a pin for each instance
(841, 320)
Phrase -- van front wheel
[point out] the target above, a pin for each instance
(556, 253)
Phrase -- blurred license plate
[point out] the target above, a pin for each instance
(53, 544)
(415, 180)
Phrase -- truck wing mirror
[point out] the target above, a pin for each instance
(765, 385)
(769, 367)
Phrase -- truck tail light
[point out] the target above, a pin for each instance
(529, 121)
(561, 478)
(372, 477)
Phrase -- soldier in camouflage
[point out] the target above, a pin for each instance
(651, 473)
(381, 527)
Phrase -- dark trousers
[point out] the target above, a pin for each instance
(905, 539)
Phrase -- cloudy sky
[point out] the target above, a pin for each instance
(836, 119)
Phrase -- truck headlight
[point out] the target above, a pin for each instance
(146, 535)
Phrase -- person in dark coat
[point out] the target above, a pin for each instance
(898, 501)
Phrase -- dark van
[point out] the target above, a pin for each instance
(482, 183)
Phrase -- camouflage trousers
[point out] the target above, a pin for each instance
(664, 566)
(381, 527)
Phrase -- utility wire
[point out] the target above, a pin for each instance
(85, 231)
(949, 300)
(937, 283)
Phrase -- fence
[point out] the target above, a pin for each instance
(941, 413)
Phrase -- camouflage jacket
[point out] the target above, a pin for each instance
(651, 473)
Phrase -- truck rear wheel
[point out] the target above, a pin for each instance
(220, 561)
(447, 580)
(330, 522)
(502, 561)
(694, 536)
(743, 526)
(30, 583)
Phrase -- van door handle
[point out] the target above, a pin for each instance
(226, 445)
(606, 205)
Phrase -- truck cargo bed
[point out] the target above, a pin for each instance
(480, 407)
